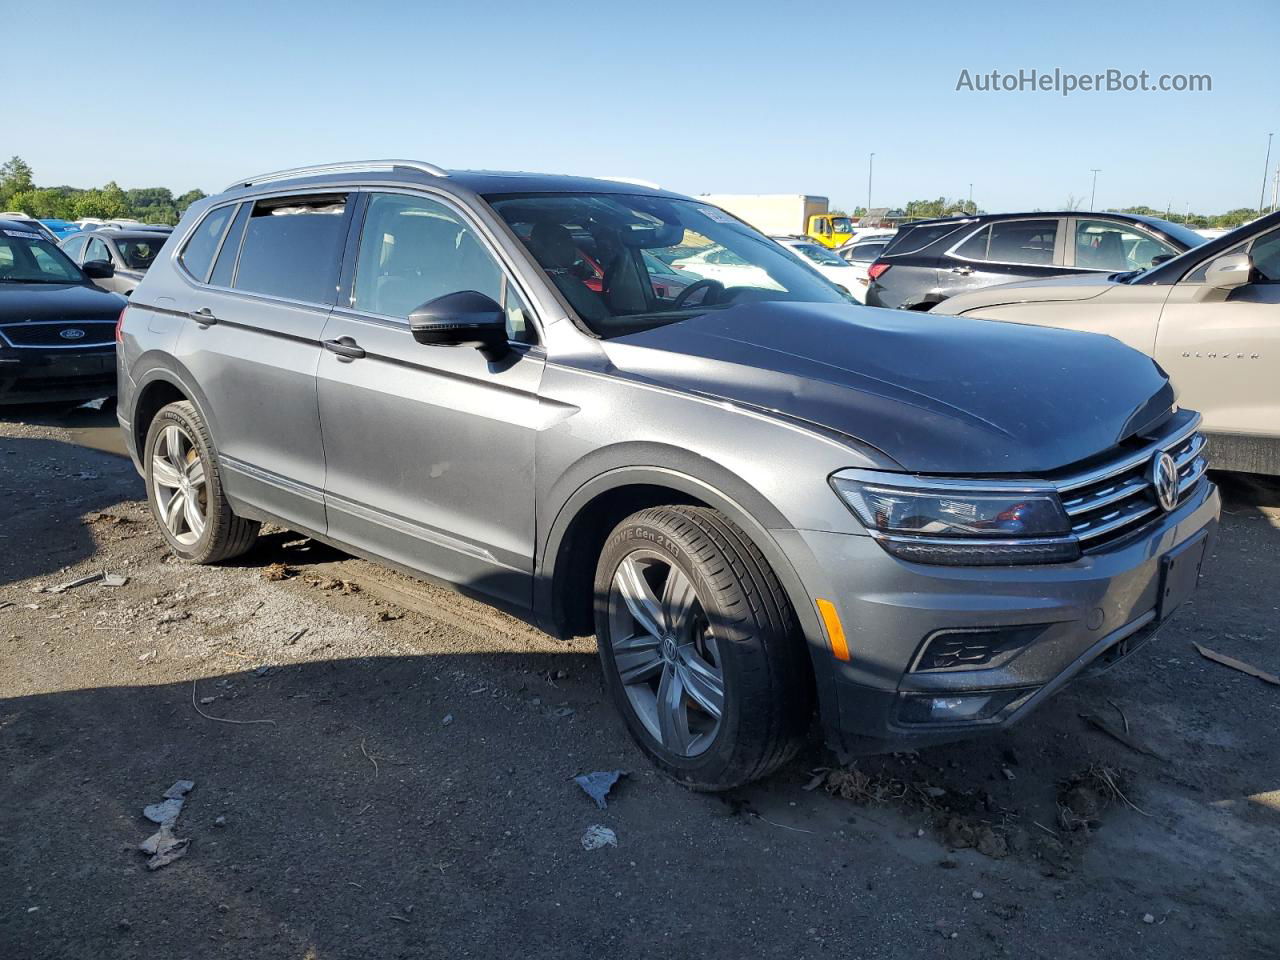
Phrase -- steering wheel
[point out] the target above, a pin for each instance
(713, 287)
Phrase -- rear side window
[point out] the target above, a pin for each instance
(915, 239)
(866, 252)
(1013, 241)
(197, 255)
(292, 248)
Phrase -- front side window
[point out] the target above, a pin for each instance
(97, 251)
(412, 250)
(1265, 252)
(74, 247)
(27, 257)
(292, 248)
(197, 255)
(1108, 245)
(719, 261)
(1012, 241)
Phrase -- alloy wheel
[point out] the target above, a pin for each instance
(665, 654)
(179, 485)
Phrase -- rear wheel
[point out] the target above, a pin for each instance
(184, 489)
(700, 648)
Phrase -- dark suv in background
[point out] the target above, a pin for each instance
(756, 494)
(930, 260)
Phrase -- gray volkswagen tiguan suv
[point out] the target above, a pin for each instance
(758, 496)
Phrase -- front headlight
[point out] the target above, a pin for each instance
(959, 523)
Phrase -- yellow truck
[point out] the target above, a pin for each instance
(787, 214)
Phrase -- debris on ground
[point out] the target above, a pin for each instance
(1116, 733)
(448, 719)
(162, 846)
(597, 836)
(385, 616)
(1085, 795)
(105, 518)
(1235, 664)
(114, 580)
(598, 784)
(72, 584)
(852, 784)
(278, 571)
(295, 637)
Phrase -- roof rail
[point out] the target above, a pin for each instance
(321, 168)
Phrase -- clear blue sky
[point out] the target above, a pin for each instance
(753, 96)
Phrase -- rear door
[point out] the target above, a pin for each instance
(430, 448)
(253, 344)
(1003, 251)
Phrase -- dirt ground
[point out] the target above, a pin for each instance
(396, 778)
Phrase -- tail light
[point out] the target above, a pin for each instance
(120, 326)
(878, 268)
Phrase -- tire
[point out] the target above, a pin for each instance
(212, 532)
(738, 624)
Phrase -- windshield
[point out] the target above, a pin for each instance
(139, 253)
(811, 251)
(27, 257)
(842, 225)
(659, 260)
(1178, 231)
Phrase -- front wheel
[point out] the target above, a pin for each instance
(700, 648)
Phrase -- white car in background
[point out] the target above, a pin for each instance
(860, 255)
(723, 265)
(821, 259)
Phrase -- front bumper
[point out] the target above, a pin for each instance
(917, 633)
(41, 376)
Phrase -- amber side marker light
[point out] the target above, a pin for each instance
(835, 630)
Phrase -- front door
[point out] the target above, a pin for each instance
(429, 449)
(1224, 354)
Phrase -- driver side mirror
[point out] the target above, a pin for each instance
(98, 269)
(1225, 274)
(466, 318)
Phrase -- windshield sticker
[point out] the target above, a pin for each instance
(716, 214)
(23, 234)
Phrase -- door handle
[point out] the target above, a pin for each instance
(345, 347)
(963, 271)
(204, 316)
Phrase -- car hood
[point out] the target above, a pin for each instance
(948, 395)
(1076, 286)
(57, 301)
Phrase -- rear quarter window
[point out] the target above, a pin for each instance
(197, 255)
(292, 248)
(915, 239)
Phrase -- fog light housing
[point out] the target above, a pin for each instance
(956, 707)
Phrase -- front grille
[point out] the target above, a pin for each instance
(1110, 502)
(47, 334)
(50, 384)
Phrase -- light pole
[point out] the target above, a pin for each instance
(871, 165)
(1266, 168)
(1094, 192)
(969, 209)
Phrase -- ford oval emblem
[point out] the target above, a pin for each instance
(71, 333)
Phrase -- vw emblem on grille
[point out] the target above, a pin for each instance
(71, 333)
(1164, 478)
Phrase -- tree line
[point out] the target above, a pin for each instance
(19, 193)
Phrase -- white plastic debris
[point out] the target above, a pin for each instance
(597, 836)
